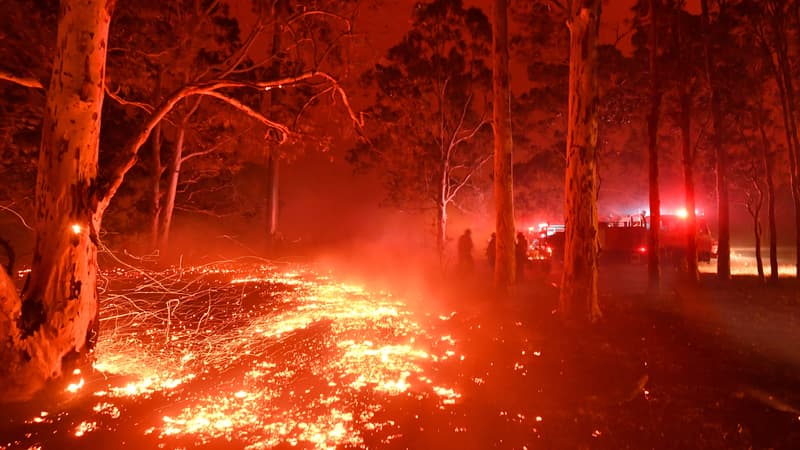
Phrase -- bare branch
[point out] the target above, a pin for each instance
(459, 126)
(210, 88)
(22, 81)
(213, 147)
(303, 14)
(230, 64)
(466, 179)
(358, 121)
(471, 133)
(141, 53)
(113, 94)
(700, 136)
(19, 216)
(309, 102)
(283, 129)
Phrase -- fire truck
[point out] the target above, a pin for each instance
(625, 239)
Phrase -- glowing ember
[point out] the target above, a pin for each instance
(74, 387)
(84, 427)
(261, 355)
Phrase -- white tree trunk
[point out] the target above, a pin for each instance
(172, 190)
(441, 228)
(441, 208)
(155, 225)
(272, 191)
(57, 319)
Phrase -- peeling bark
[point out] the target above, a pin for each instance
(579, 297)
(57, 317)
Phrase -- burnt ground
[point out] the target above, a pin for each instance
(711, 366)
(706, 366)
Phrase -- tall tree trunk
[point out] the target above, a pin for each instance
(272, 191)
(769, 170)
(685, 99)
(754, 205)
(782, 72)
(794, 149)
(757, 235)
(723, 202)
(156, 170)
(503, 153)
(688, 185)
(56, 321)
(441, 228)
(172, 188)
(578, 298)
(653, 246)
(174, 175)
(790, 128)
(270, 100)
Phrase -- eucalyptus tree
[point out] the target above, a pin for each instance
(763, 165)
(431, 110)
(53, 323)
(683, 48)
(579, 283)
(190, 42)
(304, 34)
(723, 202)
(770, 24)
(58, 318)
(504, 268)
(155, 49)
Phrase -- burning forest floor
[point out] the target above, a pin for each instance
(255, 354)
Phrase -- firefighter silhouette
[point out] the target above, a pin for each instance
(491, 249)
(521, 252)
(465, 252)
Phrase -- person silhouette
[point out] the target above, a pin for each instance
(465, 251)
(521, 253)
